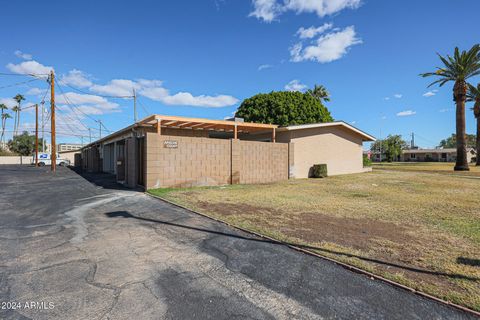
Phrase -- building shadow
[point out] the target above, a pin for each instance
(103, 180)
(128, 215)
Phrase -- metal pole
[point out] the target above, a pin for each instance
(90, 134)
(52, 102)
(36, 135)
(134, 105)
(100, 125)
(43, 125)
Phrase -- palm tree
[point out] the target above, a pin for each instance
(19, 98)
(458, 69)
(5, 116)
(15, 109)
(474, 95)
(320, 93)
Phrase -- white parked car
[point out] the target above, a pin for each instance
(44, 159)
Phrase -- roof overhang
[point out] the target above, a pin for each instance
(190, 124)
(365, 136)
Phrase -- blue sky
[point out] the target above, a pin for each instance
(202, 58)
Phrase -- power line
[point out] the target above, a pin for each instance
(18, 83)
(103, 96)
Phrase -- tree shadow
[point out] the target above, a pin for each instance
(469, 261)
(126, 214)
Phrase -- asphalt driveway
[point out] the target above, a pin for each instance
(75, 249)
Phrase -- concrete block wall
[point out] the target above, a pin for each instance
(204, 161)
(195, 162)
(260, 162)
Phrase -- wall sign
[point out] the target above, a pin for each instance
(171, 144)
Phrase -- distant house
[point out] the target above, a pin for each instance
(435, 155)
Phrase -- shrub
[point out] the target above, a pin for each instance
(319, 171)
(367, 162)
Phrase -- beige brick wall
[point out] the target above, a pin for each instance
(260, 162)
(196, 162)
(201, 161)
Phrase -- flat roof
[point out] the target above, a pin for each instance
(366, 136)
(177, 122)
(446, 150)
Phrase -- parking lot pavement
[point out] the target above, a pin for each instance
(78, 249)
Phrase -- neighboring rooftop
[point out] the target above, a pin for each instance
(366, 136)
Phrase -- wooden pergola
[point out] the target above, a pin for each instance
(235, 127)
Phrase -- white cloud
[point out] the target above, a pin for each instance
(295, 85)
(29, 67)
(269, 10)
(9, 102)
(187, 99)
(386, 98)
(321, 7)
(153, 89)
(445, 110)
(23, 55)
(406, 113)
(35, 92)
(101, 104)
(329, 47)
(264, 66)
(311, 32)
(397, 95)
(116, 87)
(384, 118)
(430, 93)
(76, 78)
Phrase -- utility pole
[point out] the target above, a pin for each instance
(52, 112)
(43, 125)
(100, 125)
(90, 134)
(134, 105)
(36, 135)
(413, 141)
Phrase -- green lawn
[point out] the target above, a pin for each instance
(433, 167)
(419, 229)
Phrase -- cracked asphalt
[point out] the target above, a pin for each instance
(96, 251)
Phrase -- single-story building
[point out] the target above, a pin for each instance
(435, 155)
(169, 151)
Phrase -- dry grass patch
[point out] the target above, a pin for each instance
(419, 229)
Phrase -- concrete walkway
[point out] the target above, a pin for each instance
(86, 250)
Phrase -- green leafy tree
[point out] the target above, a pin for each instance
(283, 108)
(23, 144)
(474, 95)
(462, 66)
(5, 116)
(19, 98)
(451, 142)
(392, 147)
(320, 93)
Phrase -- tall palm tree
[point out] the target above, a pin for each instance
(474, 95)
(5, 116)
(19, 98)
(459, 68)
(320, 93)
(15, 109)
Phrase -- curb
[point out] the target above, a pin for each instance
(315, 254)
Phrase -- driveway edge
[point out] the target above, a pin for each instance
(344, 265)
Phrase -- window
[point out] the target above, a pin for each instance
(444, 155)
(413, 156)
